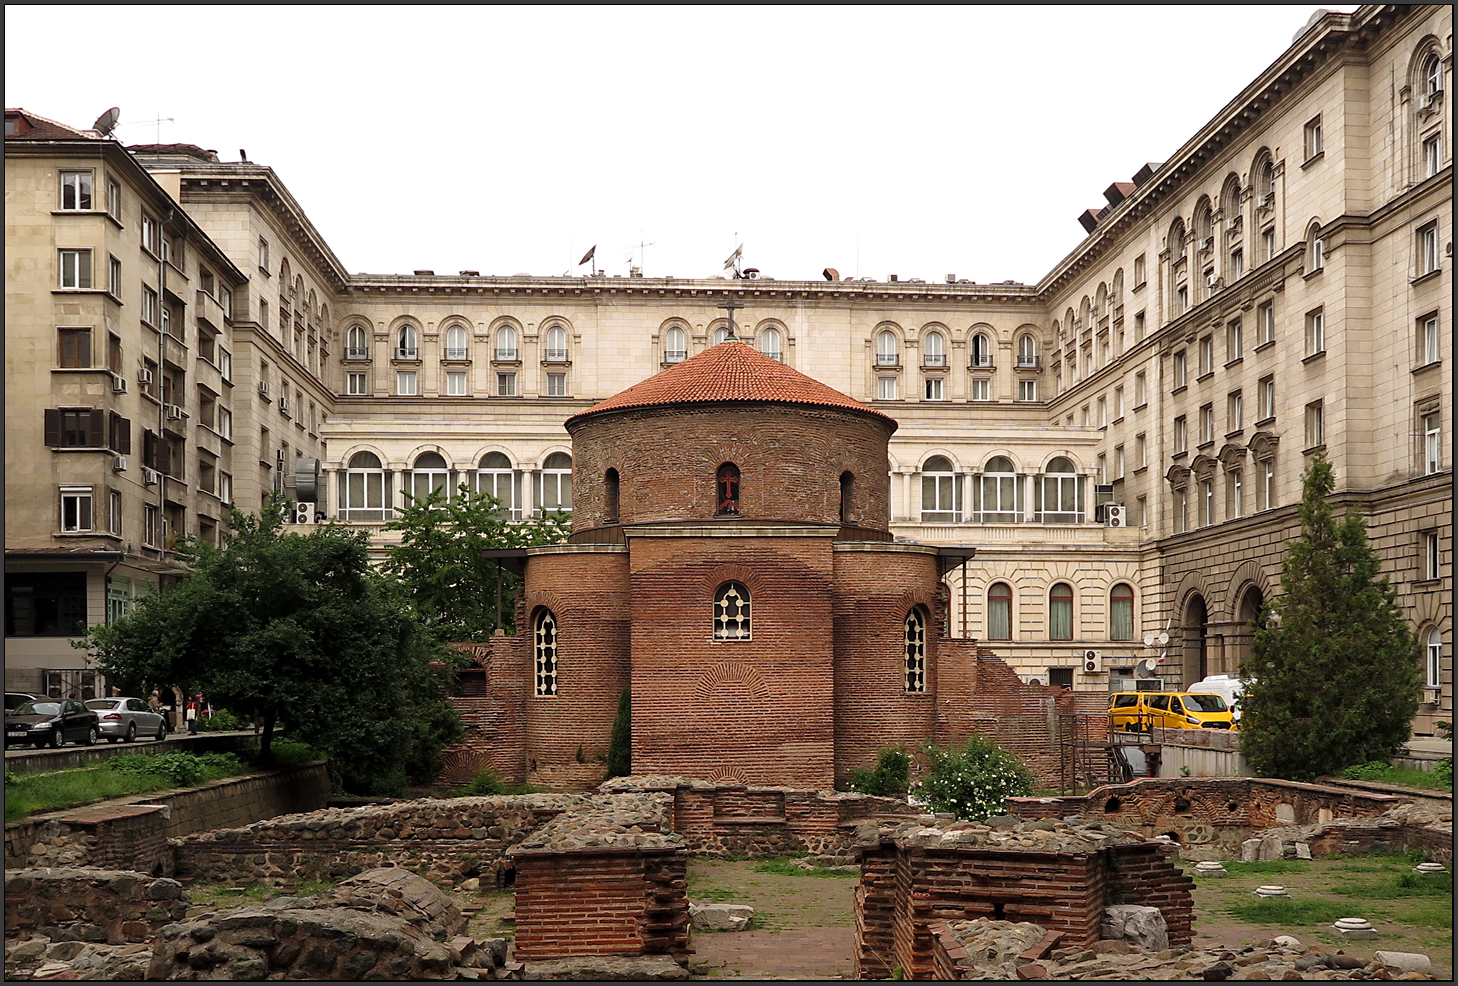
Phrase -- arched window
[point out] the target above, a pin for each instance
(430, 473)
(997, 495)
(936, 350)
(556, 483)
(769, 344)
(915, 646)
(726, 490)
(941, 492)
(1267, 182)
(1204, 225)
(999, 611)
(1027, 350)
(364, 489)
(1121, 612)
(356, 345)
(506, 343)
(675, 346)
(1060, 612)
(1315, 249)
(495, 476)
(610, 497)
(1434, 652)
(981, 350)
(886, 347)
(847, 495)
(544, 639)
(455, 342)
(406, 345)
(721, 334)
(556, 351)
(1230, 203)
(1059, 494)
(731, 612)
(1432, 76)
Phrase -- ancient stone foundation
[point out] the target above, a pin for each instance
(90, 905)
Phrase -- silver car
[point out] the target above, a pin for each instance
(124, 719)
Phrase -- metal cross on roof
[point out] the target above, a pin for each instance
(729, 305)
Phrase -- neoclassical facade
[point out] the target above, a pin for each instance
(1122, 441)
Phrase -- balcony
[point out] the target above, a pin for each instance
(410, 353)
(555, 356)
(887, 359)
(356, 353)
(980, 363)
(506, 355)
(675, 356)
(1030, 363)
(933, 360)
(453, 353)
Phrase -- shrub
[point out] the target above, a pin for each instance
(620, 747)
(1443, 770)
(1374, 770)
(890, 778)
(222, 721)
(486, 784)
(975, 781)
(182, 769)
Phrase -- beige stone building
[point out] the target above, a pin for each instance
(1122, 442)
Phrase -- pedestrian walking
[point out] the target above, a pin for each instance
(191, 714)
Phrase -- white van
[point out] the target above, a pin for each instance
(1227, 686)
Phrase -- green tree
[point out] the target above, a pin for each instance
(457, 591)
(974, 782)
(1333, 673)
(620, 746)
(301, 631)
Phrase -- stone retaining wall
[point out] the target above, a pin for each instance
(90, 905)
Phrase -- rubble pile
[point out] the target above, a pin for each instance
(999, 832)
(620, 820)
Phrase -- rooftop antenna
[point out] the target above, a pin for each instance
(106, 122)
(642, 248)
(157, 122)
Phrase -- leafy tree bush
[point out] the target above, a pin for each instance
(620, 746)
(221, 721)
(974, 782)
(890, 778)
(1333, 675)
(1443, 769)
(182, 769)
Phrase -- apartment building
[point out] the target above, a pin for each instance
(1122, 442)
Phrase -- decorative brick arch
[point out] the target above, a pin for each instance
(1191, 584)
(729, 775)
(731, 573)
(547, 599)
(1247, 574)
(732, 672)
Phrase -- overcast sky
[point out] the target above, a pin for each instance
(919, 141)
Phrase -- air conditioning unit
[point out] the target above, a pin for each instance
(1114, 515)
(144, 377)
(118, 384)
(1036, 680)
(283, 404)
(150, 476)
(1093, 661)
(174, 412)
(303, 512)
(263, 387)
(118, 463)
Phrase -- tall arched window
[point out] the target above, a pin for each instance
(506, 343)
(1121, 612)
(356, 345)
(726, 490)
(936, 350)
(675, 346)
(997, 495)
(769, 344)
(1433, 676)
(430, 473)
(847, 497)
(721, 334)
(496, 477)
(915, 651)
(941, 492)
(981, 350)
(556, 483)
(886, 354)
(1027, 350)
(1059, 494)
(1060, 612)
(1315, 249)
(364, 489)
(406, 343)
(544, 640)
(1432, 76)
(455, 342)
(999, 611)
(610, 497)
(731, 612)
(556, 345)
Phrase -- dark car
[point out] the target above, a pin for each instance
(124, 719)
(13, 700)
(51, 721)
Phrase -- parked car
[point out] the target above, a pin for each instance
(1227, 686)
(1138, 711)
(51, 721)
(124, 719)
(13, 700)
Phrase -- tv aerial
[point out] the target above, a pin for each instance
(106, 122)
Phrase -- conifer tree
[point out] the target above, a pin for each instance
(1333, 675)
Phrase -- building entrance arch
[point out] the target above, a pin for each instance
(1196, 626)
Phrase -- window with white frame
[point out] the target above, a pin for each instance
(1141, 451)
(731, 612)
(1207, 502)
(941, 492)
(1027, 351)
(406, 383)
(1139, 327)
(556, 351)
(1234, 342)
(915, 651)
(263, 255)
(407, 343)
(75, 268)
(356, 385)
(1432, 556)
(1027, 390)
(506, 343)
(114, 276)
(997, 494)
(429, 474)
(495, 476)
(1432, 423)
(999, 611)
(225, 422)
(1315, 251)
(1139, 271)
(544, 647)
(1268, 243)
(76, 509)
(1432, 76)
(1207, 355)
(556, 385)
(364, 489)
(225, 488)
(1179, 369)
(981, 389)
(1234, 506)
(1118, 462)
(1121, 612)
(769, 344)
(1103, 405)
(1059, 492)
(1266, 323)
(721, 334)
(1433, 649)
(1237, 264)
(556, 484)
(1267, 470)
(675, 346)
(886, 388)
(886, 349)
(455, 383)
(1181, 435)
(113, 199)
(1315, 332)
(151, 235)
(935, 353)
(1101, 469)
(150, 527)
(981, 350)
(1428, 339)
(1060, 611)
(1427, 248)
(455, 343)
(1118, 403)
(1085, 417)
(1234, 412)
(1141, 389)
(114, 511)
(1266, 391)
(1312, 141)
(1432, 155)
(356, 344)
(1315, 424)
(1207, 423)
(932, 388)
(505, 384)
(76, 191)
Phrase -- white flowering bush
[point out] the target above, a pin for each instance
(974, 782)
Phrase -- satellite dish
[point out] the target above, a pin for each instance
(1145, 668)
(1163, 638)
(106, 122)
(1149, 640)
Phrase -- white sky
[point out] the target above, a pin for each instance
(920, 141)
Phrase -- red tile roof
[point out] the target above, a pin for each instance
(730, 371)
(29, 126)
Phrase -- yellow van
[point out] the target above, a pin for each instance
(1138, 711)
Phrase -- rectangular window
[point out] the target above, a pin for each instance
(1179, 369)
(150, 531)
(1315, 332)
(1101, 469)
(225, 364)
(1141, 451)
(1427, 334)
(1207, 502)
(556, 384)
(76, 190)
(354, 384)
(1086, 418)
(113, 353)
(933, 388)
(263, 255)
(1207, 355)
(1268, 244)
(1234, 412)
(45, 604)
(1118, 462)
(886, 388)
(1234, 509)
(1313, 137)
(456, 383)
(113, 200)
(151, 235)
(1139, 276)
(1141, 389)
(114, 512)
(1237, 264)
(1182, 300)
(1268, 484)
(1267, 392)
(1432, 443)
(75, 268)
(1181, 435)
(75, 427)
(225, 487)
(1141, 511)
(113, 278)
(1432, 556)
(1427, 248)
(1315, 425)
(506, 385)
(1139, 327)
(1266, 323)
(1207, 423)
(1103, 413)
(1181, 511)
(150, 307)
(405, 383)
(1432, 155)
(1234, 342)
(225, 422)
(1118, 403)
(75, 509)
(981, 389)
(1027, 390)
(75, 345)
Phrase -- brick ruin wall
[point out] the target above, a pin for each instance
(90, 905)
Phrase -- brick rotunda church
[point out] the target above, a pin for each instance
(731, 563)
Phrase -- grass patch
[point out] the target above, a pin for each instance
(782, 867)
(1270, 867)
(1403, 885)
(1388, 774)
(1288, 913)
(487, 784)
(138, 773)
